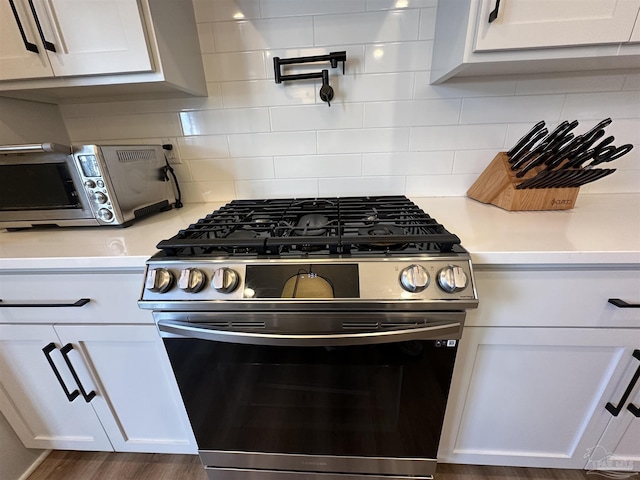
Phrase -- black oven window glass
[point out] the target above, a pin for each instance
(37, 186)
(304, 280)
(373, 400)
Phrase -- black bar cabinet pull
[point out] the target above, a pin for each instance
(622, 304)
(633, 409)
(79, 303)
(47, 44)
(71, 396)
(494, 13)
(65, 351)
(32, 47)
(616, 410)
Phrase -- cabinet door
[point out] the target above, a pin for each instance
(94, 36)
(32, 399)
(553, 23)
(619, 447)
(20, 57)
(139, 403)
(533, 396)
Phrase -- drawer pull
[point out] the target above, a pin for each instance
(616, 410)
(80, 303)
(622, 304)
(71, 396)
(65, 351)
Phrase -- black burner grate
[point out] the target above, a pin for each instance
(368, 226)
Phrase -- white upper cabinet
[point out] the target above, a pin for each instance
(71, 37)
(554, 23)
(107, 47)
(503, 37)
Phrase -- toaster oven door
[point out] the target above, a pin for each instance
(42, 188)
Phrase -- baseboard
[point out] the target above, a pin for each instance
(35, 464)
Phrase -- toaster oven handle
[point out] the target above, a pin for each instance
(203, 332)
(79, 303)
(36, 148)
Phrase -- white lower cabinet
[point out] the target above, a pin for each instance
(547, 371)
(136, 407)
(536, 396)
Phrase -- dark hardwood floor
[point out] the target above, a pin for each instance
(61, 465)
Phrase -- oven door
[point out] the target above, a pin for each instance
(347, 402)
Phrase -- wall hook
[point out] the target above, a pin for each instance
(326, 91)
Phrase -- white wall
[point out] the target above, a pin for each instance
(387, 131)
(30, 122)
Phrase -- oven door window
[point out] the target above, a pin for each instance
(373, 400)
(37, 186)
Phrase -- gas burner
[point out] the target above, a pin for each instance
(379, 231)
(313, 203)
(312, 224)
(243, 234)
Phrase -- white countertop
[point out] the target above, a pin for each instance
(601, 229)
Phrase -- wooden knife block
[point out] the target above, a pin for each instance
(496, 185)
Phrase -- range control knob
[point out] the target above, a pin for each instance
(452, 279)
(225, 280)
(100, 197)
(414, 278)
(192, 280)
(159, 280)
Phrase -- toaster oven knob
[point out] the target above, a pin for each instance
(100, 197)
(159, 280)
(225, 280)
(452, 279)
(90, 184)
(414, 278)
(105, 214)
(191, 280)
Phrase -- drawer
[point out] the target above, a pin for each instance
(556, 298)
(112, 297)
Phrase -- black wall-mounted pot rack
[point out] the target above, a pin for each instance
(326, 92)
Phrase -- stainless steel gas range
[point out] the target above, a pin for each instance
(313, 339)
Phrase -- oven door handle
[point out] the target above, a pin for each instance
(174, 328)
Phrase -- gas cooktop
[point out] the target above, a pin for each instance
(351, 226)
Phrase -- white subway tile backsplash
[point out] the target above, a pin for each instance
(457, 137)
(407, 163)
(212, 146)
(473, 161)
(357, 186)
(224, 67)
(511, 109)
(439, 186)
(262, 34)
(279, 188)
(388, 131)
(287, 8)
(363, 140)
(391, 26)
(398, 57)
(316, 117)
(427, 24)
(235, 120)
(395, 4)
(264, 93)
(317, 166)
(569, 83)
(221, 10)
(271, 144)
(140, 125)
(373, 87)
(583, 106)
(254, 168)
(211, 191)
(463, 88)
(412, 113)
